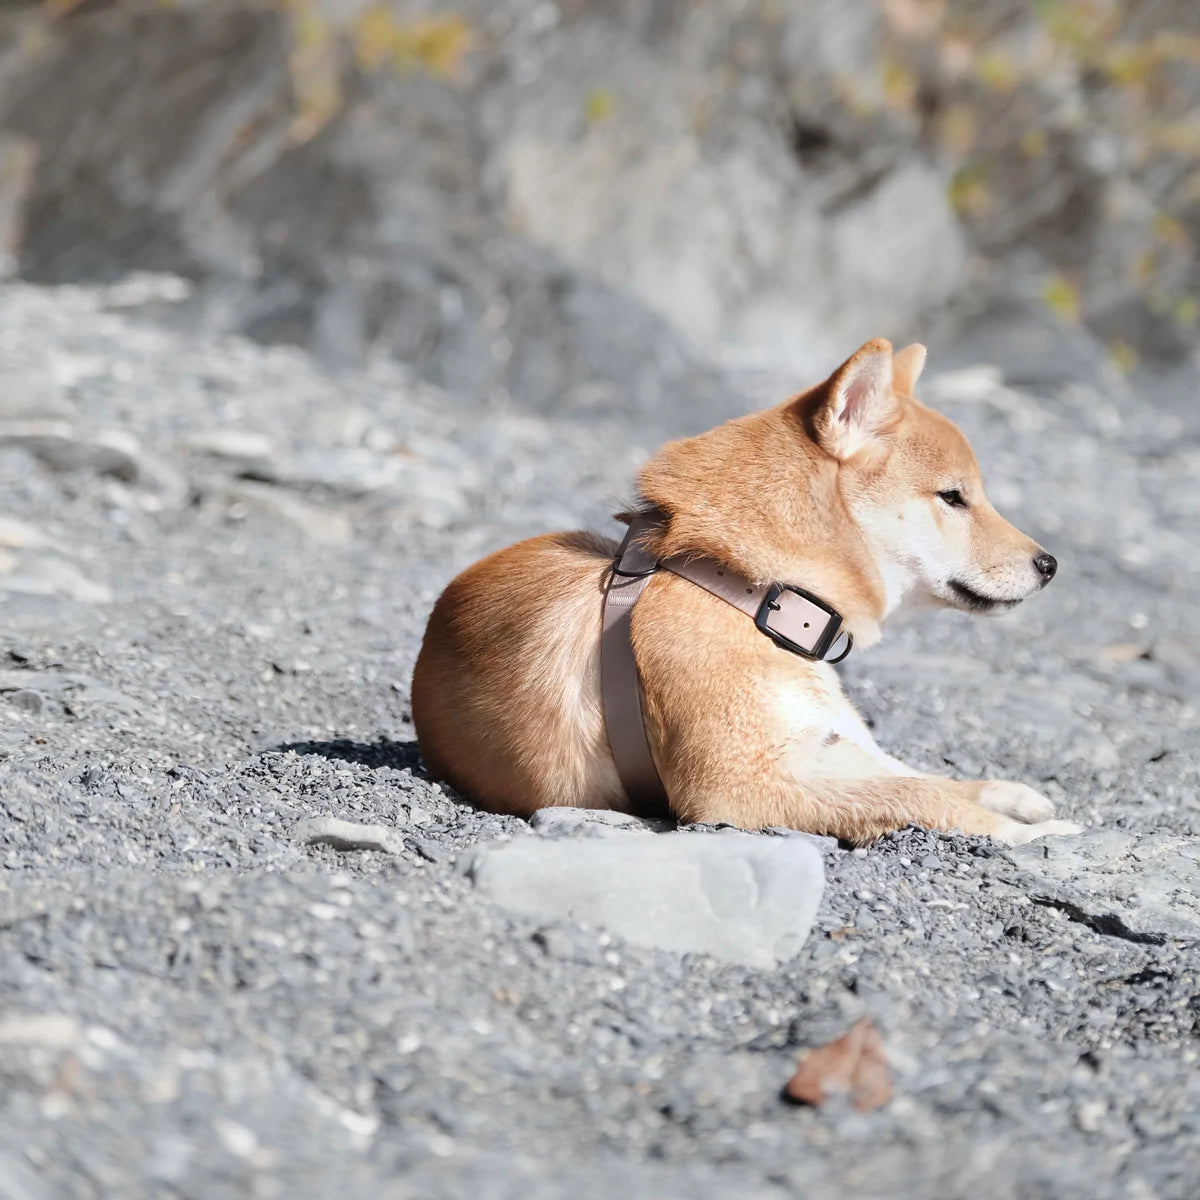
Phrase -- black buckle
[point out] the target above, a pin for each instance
(824, 643)
(616, 570)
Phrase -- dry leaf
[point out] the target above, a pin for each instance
(855, 1063)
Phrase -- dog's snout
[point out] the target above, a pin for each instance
(1046, 565)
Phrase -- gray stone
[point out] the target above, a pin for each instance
(349, 835)
(593, 822)
(742, 898)
(73, 688)
(26, 700)
(62, 447)
(569, 943)
(55, 577)
(239, 445)
(54, 1030)
(321, 524)
(16, 534)
(354, 470)
(1138, 887)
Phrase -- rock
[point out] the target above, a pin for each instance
(321, 524)
(25, 700)
(71, 688)
(353, 470)
(864, 919)
(1094, 751)
(1138, 888)
(826, 845)
(141, 288)
(62, 447)
(569, 943)
(239, 445)
(55, 1031)
(660, 219)
(18, 535)
(593, 822)
(349, 835)
(54, 577)
(737, 897)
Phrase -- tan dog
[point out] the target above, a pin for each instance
(853, 490)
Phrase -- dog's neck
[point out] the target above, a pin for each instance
(759, 497)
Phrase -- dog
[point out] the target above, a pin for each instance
(853, 490)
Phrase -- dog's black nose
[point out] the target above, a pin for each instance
(1046, 564)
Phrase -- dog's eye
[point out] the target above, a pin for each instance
(952, 497)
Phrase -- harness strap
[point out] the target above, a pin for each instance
(620, 686)
(791, 617)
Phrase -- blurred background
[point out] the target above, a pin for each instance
(587, 203)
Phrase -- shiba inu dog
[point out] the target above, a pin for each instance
(852, 491)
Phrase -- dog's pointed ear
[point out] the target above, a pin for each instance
(907, 366)
(857, 401)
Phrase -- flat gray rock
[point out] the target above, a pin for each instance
(1145, 889)
(348, 835)
(734, 896)
(593, 822)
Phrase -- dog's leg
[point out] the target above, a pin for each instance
(861, 810)
(852, 751)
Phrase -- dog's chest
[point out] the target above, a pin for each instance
(808, 710)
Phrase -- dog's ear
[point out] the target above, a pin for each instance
(907, 366)
(857, 402)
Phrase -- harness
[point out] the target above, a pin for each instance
(792, 618)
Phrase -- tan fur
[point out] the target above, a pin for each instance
(836, 490)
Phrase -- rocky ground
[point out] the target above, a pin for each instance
(215, 564)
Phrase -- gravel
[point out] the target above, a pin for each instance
(214, 573)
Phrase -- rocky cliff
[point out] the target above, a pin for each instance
(589, 204)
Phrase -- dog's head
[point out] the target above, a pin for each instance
(911, 485)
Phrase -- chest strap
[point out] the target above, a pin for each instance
(792, 618)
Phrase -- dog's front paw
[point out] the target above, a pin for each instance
(1017, 833)
(1016, 800)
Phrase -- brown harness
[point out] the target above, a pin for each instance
(791, 617)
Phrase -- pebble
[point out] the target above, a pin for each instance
(55, 1031)
(592, 822)
(349, 835)
(54, 577)
(25, 700)
(238, 444)
(62, 447)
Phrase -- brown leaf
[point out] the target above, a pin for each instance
(855, 1063)
(836, 935)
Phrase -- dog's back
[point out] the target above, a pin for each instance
(506, 690)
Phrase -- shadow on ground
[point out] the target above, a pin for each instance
(381, 753)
